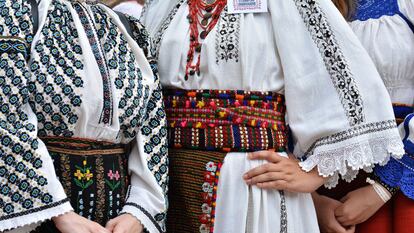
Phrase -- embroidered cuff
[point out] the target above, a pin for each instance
(360, 147)
(35, 215)
(149, 222)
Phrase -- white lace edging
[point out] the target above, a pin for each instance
(345, 153)
(35, 217)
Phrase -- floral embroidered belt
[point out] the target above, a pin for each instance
(93, 174)
(218, 120)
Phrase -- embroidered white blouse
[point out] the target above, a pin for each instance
(386, 30)
(69, 80)
(132, 8)
(338, 108)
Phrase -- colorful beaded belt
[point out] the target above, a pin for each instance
(217, 120)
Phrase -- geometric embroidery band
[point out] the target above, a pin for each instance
(226, 120)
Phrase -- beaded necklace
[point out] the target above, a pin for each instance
(204, 15)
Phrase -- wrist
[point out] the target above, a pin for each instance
(380, 190)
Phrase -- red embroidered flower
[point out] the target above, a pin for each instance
(205, 218)
(207, 198)
(209, 177)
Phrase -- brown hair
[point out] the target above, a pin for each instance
(346, 7)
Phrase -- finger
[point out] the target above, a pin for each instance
(266, 177)
(344, 199)
(336, 227)
(346, 220)
(119, 229)
(270, 156)
(340, 211)
(268, 167)
(111, 225)
(351, 229)
(277, 185)
(96, 228)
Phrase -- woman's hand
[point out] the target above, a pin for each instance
(72, 222)
(282, 174)
(358, 206)
(325, 209)
(125, 223)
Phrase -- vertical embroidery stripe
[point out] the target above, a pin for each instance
(335, 62)
(106, 115)
(156, 42)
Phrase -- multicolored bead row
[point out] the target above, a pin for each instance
(226, 120)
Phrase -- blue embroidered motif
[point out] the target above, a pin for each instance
(57, 65)
(374, 9)
(408, 144)
(398, 173)
(23, 188)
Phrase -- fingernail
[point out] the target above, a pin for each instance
(248, 181)
(245, 176)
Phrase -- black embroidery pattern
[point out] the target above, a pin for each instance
(22, 186)
(154, 220)
(139, 34)
(156, 41)
(58, 67)
(353, 132)
(283, 213)
(335, 62)
(227, 37)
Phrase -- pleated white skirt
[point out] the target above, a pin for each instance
(247, 209)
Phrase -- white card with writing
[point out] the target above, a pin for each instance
(246, 6)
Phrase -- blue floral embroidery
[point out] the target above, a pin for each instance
(123, 66)
(58, 68)
(22, 186)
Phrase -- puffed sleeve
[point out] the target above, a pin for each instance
(29, 189)
(148, 161)
(338, 108)
(407, 9)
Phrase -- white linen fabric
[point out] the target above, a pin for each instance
(70, 103)
(390, 42)
(338, 108)
(256, 210)
(132, 8)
